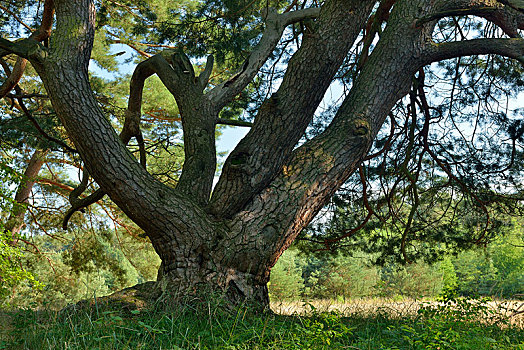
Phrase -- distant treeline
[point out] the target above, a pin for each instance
(496, 270)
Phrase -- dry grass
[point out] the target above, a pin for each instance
(511, 310)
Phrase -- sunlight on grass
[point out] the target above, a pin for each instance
(357, 324)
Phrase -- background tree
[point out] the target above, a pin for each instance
(272, 185)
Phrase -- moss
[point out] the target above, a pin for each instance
(361, 127)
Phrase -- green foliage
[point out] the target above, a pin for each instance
(227, 29)
(12, 274)
(83, 264)
(449, 275)
(286, 277)
(447, 321)
(326, 328)
(447, 167)
(415, 280)
(495, 270)
(9, 180)
(340, 277)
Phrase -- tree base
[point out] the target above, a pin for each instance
(229, 289)
(163, 296)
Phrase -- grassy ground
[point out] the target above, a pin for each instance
(128, 323)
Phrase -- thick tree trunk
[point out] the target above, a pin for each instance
(202, 275)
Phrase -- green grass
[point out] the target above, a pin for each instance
(114, 326)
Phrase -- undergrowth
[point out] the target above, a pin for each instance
(451, 324)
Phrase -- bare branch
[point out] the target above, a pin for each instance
(13, 77)
(18, 19)
(81, 203)
(455, 12)
(203, 78)
(23, 108)
(133, 46)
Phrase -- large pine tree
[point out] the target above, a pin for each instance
(228, 236)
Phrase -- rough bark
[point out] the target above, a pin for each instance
(283, 118)
(269, 189)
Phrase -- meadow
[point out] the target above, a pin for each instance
(127, 322)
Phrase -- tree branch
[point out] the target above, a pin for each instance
(19, 97)
(43, 33)
(512, 48)
(275, 25)
(283, 118)
(507, 18)
(203, 78)
(514, 4)
(198, 117)
(25, 48)
(455, 12)
(15, 222)
(130, 129)
(234, 122)
(317, 168)
(18, 19)
(173, 69)
(13, 77)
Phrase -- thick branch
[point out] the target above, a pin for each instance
(283, 118)
(515, 4)
(26, 48)
(166, 215)
(43, 33)
(80, 203)
(198, 121)
(506, 17)
(13, 77)
(203, 78)
(130, 129)
(315, 170)
(485, 11)
(177, 84)
(513, 48)
(234, 122)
